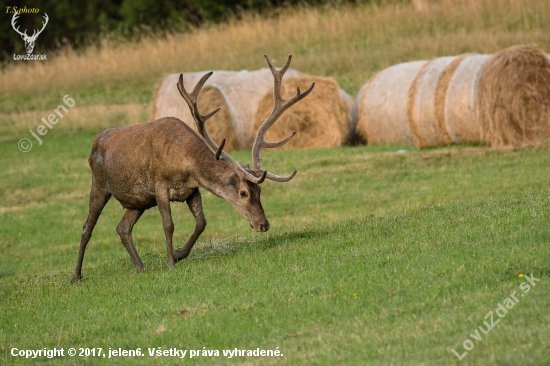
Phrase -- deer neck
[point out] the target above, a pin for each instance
(213, 176)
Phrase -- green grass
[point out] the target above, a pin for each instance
(374, 257)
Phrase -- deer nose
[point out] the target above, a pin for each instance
(261, 227)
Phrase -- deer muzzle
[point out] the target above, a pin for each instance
(261, 228)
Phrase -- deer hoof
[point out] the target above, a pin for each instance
(76, 278)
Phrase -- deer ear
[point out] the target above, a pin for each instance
(231, 180)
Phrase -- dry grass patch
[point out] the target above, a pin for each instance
(348, 43)
(84, 118)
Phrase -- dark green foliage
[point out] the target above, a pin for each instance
(69, 22)
(83, 23)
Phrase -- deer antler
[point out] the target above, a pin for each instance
(35, 34)
(13, 19)
(191, 99)
(279, 106)
(24, 34)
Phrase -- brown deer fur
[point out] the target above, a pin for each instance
(152, 164)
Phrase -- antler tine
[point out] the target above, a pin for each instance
(278, 74)
(191, 99)
(44, 23)
(206, 117)
(269, 144)
(200, 84)
(13, 19)
(279, 106)
(277, 178)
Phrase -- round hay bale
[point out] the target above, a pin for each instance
(441, 92)
(169, 103)
(242, 94)
(353, 138)
(383, 105)
(459, 112)
(320, 120)
(219, 126)
(360, 128)
(422, 103)
(513, 97)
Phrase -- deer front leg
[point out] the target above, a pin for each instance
(195, 206)
(163, 202)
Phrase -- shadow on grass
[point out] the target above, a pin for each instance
(230, 247)
(6, 273)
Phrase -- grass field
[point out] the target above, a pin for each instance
(375, 255)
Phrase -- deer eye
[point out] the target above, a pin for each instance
(243, 194)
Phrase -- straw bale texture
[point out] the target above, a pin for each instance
(422, 103)
(360, 129)
(169, 103)
(383, 105)
(219, 126)
(513, 97)
(459, 112)
(501, 99)
(242, 94)
(441, 93)
(320, 120)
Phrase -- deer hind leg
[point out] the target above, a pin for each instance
(98, 199)
(124, 230)
(163, 203)
(195, 206)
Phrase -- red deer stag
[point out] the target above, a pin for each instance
(152, 164)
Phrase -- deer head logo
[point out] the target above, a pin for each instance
(29, 41)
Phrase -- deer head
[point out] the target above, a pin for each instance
(29, 41)
(244, 182)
